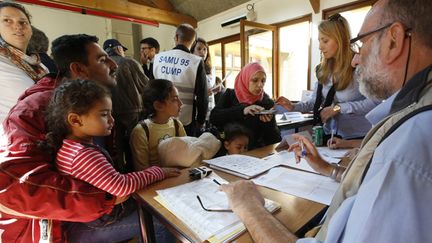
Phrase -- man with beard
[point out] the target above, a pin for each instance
(385, 193)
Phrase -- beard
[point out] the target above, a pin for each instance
(374, 81)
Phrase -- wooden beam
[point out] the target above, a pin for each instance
(148, 3)
(165, 5)
(315, 5)
(132, 10)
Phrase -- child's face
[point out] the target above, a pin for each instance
(237, 145)
(172, 105)
(98, 121)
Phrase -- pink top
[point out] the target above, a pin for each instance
(89, 164)
(241, 85)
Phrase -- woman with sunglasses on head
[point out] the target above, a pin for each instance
(337, 102)
(18, 71)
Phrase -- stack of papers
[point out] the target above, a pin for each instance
(212, 226)
(249, 167)
(309, 186)
(241, 165)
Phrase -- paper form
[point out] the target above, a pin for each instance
(182, 202)
(306, 185)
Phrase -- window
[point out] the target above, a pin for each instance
(226, 58)
(294, 57)
(354, 13)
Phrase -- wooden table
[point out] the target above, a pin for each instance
(295, 212)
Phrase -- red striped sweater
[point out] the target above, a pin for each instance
(89, 164)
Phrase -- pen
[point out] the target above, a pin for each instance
(331, 136)
(217, 182)
(303, 150)
(332, 129)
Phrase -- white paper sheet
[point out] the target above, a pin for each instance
(306, 185)
(182, 202)
(334, 153)
(241, 165)
(286, 158)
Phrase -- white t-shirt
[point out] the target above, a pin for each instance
(13, 82)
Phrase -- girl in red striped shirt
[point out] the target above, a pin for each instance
(79, 111)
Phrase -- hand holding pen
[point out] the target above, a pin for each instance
(305, 149)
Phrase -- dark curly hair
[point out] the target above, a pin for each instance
(156, 90)
(76, 96)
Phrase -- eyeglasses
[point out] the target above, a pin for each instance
(356, 43)
(211, 210)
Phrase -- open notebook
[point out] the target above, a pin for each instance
(212, 226)
(249, 167)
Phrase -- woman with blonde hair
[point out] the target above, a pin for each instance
(337, 102)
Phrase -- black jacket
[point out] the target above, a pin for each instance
(228, 109)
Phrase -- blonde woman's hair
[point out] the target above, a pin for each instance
(338, 67)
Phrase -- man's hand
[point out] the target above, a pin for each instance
(312, 156)
(243, 195)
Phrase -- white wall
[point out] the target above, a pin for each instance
(269, 12)
(164, 34)
(56, 22)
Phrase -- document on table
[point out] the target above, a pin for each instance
(333, 153)
(213, 226)
(286, 158)
(306, 185)
(241, 165)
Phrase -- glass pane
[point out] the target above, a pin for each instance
(232, 63)
(260, 49)
(215, 52)
(355, 18)
(294, 59)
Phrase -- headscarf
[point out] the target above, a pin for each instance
(241, 85)
(31, 65)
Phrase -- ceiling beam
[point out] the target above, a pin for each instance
(164, 4)
(148, 3)
(132, 10)
(315, 5)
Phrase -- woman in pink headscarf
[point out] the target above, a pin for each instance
(241, 105)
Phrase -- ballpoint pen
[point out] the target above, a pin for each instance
(303, 150)
(332, 129)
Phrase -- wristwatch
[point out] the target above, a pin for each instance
(336, 108)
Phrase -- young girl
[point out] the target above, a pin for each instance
(79, 111)
(161, 101)
(235, 139)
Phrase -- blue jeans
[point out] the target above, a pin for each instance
(123, 229)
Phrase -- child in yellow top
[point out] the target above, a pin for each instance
(162, 102)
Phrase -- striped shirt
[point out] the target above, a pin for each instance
(89, 164)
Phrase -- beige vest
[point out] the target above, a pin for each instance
(353, 176)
